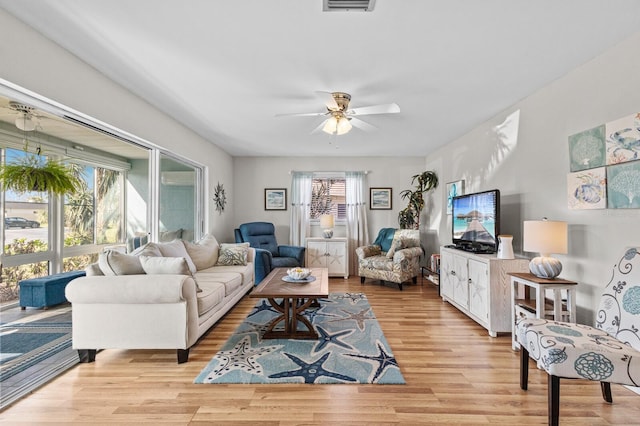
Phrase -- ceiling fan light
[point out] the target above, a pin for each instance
(343, 126)
(331, 125)
(25, 123)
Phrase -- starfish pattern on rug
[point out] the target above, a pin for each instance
(254, 328)
(358, 317)
(325, 338)
(311, 372)
(263, 306)
(242, 357)
(354, 298)
(383, 360)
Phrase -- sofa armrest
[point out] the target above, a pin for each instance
(368, 251)
(131, 289)
(292, 251)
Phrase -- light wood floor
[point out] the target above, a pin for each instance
(455, 374)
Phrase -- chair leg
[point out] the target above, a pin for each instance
(524, 368)
(400, 285)
(606, 391)
(414, 280)
(554, 400)
(361, 280)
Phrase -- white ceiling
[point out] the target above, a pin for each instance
(225, 68)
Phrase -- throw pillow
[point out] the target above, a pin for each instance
(149, 249)
(233, 254)
(167, 265)
(113, 262)
(176, 249)
(203, 253)
(402, 243)
(93, 270)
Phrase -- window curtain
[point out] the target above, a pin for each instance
(357, 231)
(300, 207)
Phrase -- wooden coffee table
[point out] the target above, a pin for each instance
(291, 299)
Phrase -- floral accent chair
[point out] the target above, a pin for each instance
(394, 257)
(608, 353)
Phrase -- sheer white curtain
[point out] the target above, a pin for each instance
(357, 231)
(301, 183)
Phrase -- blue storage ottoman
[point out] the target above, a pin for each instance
(46, 291)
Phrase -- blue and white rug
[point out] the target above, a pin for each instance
(351, 348)
(33, 351)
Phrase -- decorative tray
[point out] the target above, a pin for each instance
(309, 279)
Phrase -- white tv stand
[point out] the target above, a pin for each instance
(479, 286)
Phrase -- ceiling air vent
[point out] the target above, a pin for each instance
(348, 5)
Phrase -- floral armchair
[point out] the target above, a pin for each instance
(608, 353)
(394, 257)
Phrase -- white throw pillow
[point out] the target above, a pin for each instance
(176, 249)
(167, 265)
(149, 249)
(203, 253)
(115, 263)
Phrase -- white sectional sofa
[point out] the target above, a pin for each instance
(162, 296)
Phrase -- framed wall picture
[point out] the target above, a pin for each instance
(275, 199)
(453, 190)
(380, 198)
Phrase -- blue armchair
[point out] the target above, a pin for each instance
(269, 255)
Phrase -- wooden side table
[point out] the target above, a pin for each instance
(540, 306)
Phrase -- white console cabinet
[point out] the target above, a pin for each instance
(330, 253)
(479, 285)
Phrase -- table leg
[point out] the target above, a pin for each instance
(291, 309)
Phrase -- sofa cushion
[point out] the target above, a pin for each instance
(211, 295)
(379, 262)
(203, 253)
(247, 272)
(113, 262)
(231, 280)
(167, 265)
(176, 249)
(233, 254)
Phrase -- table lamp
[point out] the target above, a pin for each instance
(545, 237)
(326, 223)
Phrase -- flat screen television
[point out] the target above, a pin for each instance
(476, 221)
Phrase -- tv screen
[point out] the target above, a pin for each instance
(476, 219)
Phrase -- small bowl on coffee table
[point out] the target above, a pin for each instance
(298, 274)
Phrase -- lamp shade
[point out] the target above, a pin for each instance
(326, 221)
(545, 237)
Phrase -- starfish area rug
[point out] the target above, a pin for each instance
(351, 348)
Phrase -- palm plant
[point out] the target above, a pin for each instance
(409, 217)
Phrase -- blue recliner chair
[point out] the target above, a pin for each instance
(269, 255)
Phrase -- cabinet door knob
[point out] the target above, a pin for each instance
(453, 273)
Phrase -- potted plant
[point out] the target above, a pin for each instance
(409, 217)
(36, 173)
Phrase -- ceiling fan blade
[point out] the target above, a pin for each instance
(319, 128)
(375, 109)
(362, 125)
(303, 114)
(328, 99)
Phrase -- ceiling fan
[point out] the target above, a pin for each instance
(341, 119)
(25, 118)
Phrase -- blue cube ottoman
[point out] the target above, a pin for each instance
(46, 291)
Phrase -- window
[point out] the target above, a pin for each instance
(328, 197)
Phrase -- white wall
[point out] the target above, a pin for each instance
(35, 63)
(523, 151)
(253, 174)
